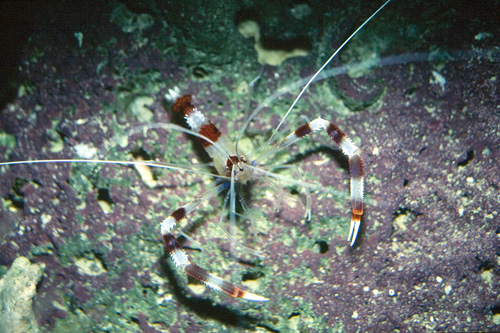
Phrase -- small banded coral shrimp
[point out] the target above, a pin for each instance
(234, 169)
(237, 170)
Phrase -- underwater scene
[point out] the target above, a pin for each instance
(283, 197)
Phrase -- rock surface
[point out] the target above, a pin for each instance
(17, 290)
(424, 108)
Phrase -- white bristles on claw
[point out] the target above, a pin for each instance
(216, 283)
(349, 148)
(180, 258)
(196, 119)
(357, 187)
(318, 124)
(177, 254)
(167, 225)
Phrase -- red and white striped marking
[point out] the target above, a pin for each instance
(196, 120)
(181, 260)
(355, 165)
(227, 164)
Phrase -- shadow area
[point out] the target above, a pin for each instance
(17, 19)
(333, 153)
(203, 307)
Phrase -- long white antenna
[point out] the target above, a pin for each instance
(322, 67)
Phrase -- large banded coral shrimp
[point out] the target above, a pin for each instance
(235, 169)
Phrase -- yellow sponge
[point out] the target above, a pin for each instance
(267, 56)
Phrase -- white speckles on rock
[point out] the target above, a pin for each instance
(85, 151)
(438, 79)
(355, 315)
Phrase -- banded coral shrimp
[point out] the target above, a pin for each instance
(93, 224)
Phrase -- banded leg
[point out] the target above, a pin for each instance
(181, 259)
(194, 118)
(212, 140)
(355, 165)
